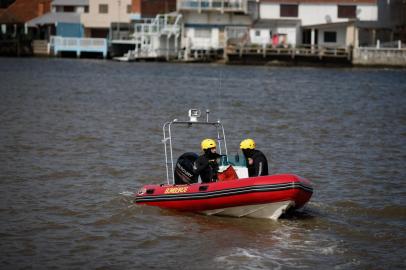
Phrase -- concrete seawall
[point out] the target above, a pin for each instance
(379, 57)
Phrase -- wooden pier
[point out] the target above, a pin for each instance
(254, 54)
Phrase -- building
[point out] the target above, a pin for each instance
(330, 23)
(153, 32)
(105, 15)
(63, 20)
(208, 25)
(15, 39)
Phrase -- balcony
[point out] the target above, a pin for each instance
(236, 6)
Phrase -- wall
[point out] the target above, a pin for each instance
(263, 38)
(69, 30)
(200, 43)
(341, 37)
(116, 13)
(379, 57)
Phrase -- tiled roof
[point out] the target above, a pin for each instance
(22, 10)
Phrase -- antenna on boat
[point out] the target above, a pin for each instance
(219, 90)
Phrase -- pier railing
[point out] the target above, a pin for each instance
(78, 45)
(303, 50)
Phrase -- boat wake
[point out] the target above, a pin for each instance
(127, 193)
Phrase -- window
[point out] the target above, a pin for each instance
(289, 11)
(129, 9)
(330, 37)
(68, 9)
(257, 33)
(347, 12)
(103, 8)
(202, 33)
(86, 9)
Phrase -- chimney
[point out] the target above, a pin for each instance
(40, 10)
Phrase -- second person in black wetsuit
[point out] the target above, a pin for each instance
(256, 161)
(206, 165)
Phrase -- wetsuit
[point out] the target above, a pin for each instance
(260, 164)
(207, 167)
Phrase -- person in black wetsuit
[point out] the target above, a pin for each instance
(206, 165)
(256, 161)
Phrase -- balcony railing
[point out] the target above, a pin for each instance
(213, 5)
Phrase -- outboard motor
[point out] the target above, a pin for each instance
(184, 169)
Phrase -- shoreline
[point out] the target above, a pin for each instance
(272, 63)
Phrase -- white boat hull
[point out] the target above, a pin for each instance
(268, 211)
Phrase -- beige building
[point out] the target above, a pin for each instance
(102, 13)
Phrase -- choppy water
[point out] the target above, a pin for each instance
(74, 134)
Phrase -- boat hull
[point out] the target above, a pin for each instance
(258, 197)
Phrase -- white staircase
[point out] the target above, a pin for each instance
(155, 38)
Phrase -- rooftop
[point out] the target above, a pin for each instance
(22, 11)
(53, 17)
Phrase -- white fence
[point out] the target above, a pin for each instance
(78, 45)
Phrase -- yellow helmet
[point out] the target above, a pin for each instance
(208, 143)
(247, 144)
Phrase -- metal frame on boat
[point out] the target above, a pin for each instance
(194, 114)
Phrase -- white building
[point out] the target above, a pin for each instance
(314, 22)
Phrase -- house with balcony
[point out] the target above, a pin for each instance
(208, 24)
(329, 23)
(63, 21)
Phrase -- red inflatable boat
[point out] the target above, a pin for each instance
(257, 197)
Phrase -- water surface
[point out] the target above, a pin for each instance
(77, 133)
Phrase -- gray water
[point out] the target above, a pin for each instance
(77, 135)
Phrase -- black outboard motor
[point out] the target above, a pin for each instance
(184, 169)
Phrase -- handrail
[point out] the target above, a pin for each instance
(223, 5)
(244, 49)
(159, 25)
